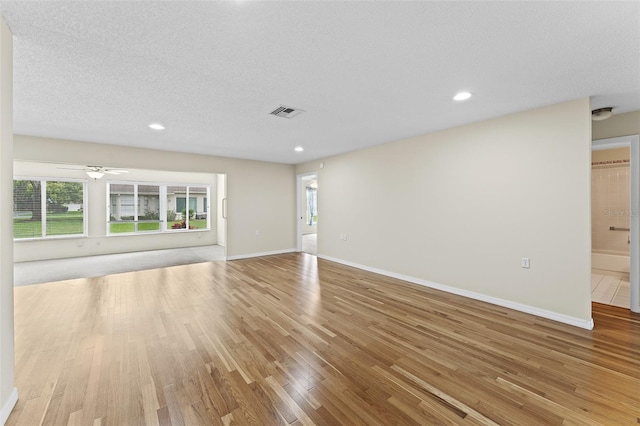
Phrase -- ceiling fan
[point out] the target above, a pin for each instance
(96, 172)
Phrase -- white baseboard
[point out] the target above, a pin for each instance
(264, 253)
(566, 319)
(8, 406)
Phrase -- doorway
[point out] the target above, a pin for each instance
(615, 221)
(308, 213)
(221, 210)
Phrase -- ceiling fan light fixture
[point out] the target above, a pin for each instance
(94, 174)
(601, 113)
(156, 126)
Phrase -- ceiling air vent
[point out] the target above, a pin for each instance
(286, 112)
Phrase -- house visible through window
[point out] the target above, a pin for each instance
(148, 208)
(193, 217)
(48, 208)
(137, 208)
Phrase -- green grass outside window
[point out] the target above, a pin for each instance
(70, 223)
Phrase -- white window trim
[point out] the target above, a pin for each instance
(43, 208)
(163, 228)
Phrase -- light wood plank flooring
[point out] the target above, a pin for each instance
(294, 340)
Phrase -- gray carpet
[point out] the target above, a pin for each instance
(44, 271)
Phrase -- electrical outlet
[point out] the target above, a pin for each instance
(525, 263)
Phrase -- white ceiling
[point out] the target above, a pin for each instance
(366, 73)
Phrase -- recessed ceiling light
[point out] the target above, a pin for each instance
(156, 126)
(462, 96)
(298, 149)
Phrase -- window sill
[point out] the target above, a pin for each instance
(168, 231)
(51, 237)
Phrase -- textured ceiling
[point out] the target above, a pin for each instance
(366, 73)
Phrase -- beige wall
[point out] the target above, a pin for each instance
(461, 207)
(618, 125)
(8, 393)
(261, 196)
(614, 154)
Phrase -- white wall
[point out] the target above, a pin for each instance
(261, 196)
(97, 241)
(8, 393)
(461, 207)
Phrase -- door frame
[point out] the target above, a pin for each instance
(299, 208)
(633, 142)
(221, 211)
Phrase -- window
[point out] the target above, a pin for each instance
(48, 208)
(122, 208)
(312, 205)
(148, 207)
(181, 203)
(134, 208)
(179, 218)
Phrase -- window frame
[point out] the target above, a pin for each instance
(162, 208)
(43, 208)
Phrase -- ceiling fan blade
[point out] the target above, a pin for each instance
(71, 168)
(115, 172)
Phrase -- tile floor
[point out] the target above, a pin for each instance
(310, 244)
(610, 290)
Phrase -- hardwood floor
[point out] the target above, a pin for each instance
(290, 340)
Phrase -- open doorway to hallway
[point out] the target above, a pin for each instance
(308, 213)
